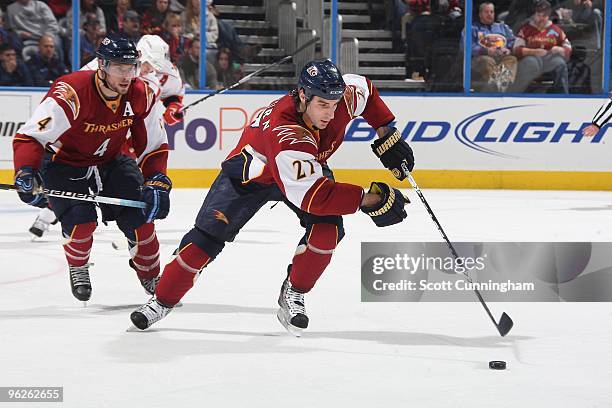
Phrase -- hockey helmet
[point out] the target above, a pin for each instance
(321, 78)
(156, 52)
(118, 49)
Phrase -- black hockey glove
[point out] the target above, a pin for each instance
(390, 210)
(392, 151)
(29, 182)
(156, 193)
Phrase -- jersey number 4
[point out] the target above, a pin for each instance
(102, 149)
(42, 124)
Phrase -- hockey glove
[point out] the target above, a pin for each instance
(392, 151)
(29, 182)
(156, 194)
(173, 114)
(390, 210)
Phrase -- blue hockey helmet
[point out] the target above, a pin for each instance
(321, 78)
(118, 49)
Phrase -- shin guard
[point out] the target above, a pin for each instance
(145, 252)
(180, 275)
(312, 258)
(77, 245)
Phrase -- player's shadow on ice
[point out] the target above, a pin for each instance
(598, 208)
(153, 344)
(417, 339)
(77, 311)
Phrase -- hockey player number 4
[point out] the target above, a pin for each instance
(100, 151)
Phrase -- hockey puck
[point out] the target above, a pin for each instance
(497, 365)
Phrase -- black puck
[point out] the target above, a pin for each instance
(497, 365)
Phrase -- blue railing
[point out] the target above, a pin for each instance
(605, 85)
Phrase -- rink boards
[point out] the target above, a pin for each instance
(515, 143)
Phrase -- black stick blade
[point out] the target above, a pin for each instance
(505, 324)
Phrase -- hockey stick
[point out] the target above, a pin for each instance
(505, 322)
(84, 197)
(252, 74)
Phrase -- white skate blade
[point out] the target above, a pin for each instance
(133, 329)
(84, 303)
(282, 318)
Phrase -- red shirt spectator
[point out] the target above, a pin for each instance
(541, 34)
(153, 19)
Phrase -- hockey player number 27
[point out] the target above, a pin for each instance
(102, 148)
(301, 171)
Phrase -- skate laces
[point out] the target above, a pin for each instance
(295, 300)
(150, 284)
(154, 311)
(80, 275)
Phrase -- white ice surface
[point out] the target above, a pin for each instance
(225, 348)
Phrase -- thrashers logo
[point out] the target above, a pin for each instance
(353, 96)
(294, 134)
(67, 93)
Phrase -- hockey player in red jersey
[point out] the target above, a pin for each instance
(74, 142)
(156, 68)
(283, 156)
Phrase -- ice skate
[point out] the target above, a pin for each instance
(41, 224)
(292, 311)
(149, 313)
(79, 282)
(148, 284)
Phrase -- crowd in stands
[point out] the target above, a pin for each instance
(35, 37)
(516, 45)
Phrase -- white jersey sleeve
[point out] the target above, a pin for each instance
(604, 114)
(47, 124)
(156, 132)
(358, 93)
(171, 84)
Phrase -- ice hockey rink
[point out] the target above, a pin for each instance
(225, 347)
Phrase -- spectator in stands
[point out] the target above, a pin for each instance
(153, 18)
(189, 67)
(115, 16)
(131, 25)
(493, 65)
(191, 19)
(141, 6)
(44, 66)
(418, 7)
(12, 71)
(228, 73)
(543, 48)
(58, 8)
(90, 39)
(579, 73)
(30, 19)
(519, 13)
(173, 35)
(8, 37)
(212, 27)
(87, 7)
(582, 12)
